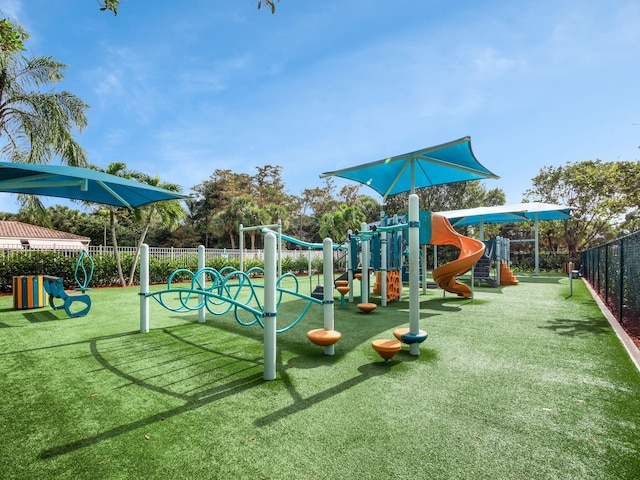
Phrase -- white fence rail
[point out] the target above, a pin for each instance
(169, 253)
(231, 254)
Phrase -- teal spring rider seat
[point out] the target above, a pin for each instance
(76, 305)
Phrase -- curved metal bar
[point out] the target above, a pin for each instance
(80, 266)
(230, 289)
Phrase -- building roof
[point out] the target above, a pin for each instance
(18, 235)
(24, 231)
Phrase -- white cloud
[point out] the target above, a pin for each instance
(109, 84)
(490, 63)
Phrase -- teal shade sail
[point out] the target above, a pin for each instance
(520, 212)
(446, 163)
(79, 184)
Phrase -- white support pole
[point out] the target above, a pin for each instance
(537, 255)
(414, 264)
(327, 270)
(270, 313)
(202, 311)
(350, 266)
(279, 248)
(435, 257)
(144, 288)
(424, 269)
(241, 247)
(383, 268)
(364, 282)
(571, 279)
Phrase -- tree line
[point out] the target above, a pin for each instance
(603, 196)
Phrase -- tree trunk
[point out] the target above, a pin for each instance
(145, 230)
(116, 253)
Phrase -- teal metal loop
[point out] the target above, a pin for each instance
(225, 290)
(81, 268)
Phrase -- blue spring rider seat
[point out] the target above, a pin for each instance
(55, 288)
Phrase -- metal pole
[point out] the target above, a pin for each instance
(327, 298)
(364, 279)
(280, 248)
(144, 288)
(414, 261)
(270, 313)
(241, 245)
(383, 268)
(423, 273)
(537, 245)
(202, 278)
(350, 265)
(570, 279)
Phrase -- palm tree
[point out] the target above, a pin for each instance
(228, 220)
(37, 125)
(167, 213)
(254, 216)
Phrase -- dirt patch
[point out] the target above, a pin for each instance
(633, 330)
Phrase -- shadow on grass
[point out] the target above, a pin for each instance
(182, 364)
(189, 364)
(444, 305)
(229, 384)
(366, 372)
(32, 315)
(575, 327)
(530, 278)
(42, 316)
(497, 290)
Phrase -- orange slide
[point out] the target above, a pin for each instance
(442, 233)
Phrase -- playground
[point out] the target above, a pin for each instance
(257, 375)
(547, 391)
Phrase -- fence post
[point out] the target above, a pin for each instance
(621, 281)
(606, 274)
(598, 279)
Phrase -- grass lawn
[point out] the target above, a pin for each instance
(520, 383)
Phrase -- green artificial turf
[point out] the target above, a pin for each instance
(523, 382)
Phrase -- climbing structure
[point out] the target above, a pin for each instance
(393, 284)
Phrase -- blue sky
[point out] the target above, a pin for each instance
(179, 89)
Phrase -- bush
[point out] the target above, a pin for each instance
(105, 273)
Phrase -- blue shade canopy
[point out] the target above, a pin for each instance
(447, 163)
(79, 184)
(520, 212)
